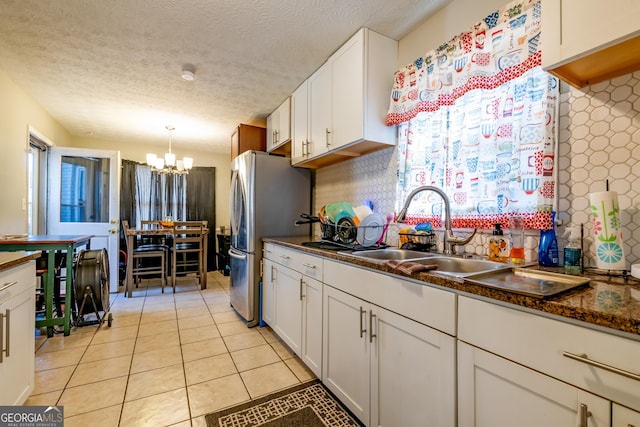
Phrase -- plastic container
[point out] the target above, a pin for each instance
(573, 251)
(498, 246)
(517, 240)
(548, 255)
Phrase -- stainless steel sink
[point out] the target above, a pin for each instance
(461, 267)
(449, 265)
(387, 254)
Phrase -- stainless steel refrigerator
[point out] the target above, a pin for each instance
(267, 197)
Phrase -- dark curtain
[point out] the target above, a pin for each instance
(127, 195)
(201, 204)
(147, 195)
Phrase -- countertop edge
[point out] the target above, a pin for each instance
(566, 306)
(12, 259)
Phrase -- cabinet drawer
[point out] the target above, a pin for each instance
(308, 265)
(424, 304)
(16, 280)
(604, 364)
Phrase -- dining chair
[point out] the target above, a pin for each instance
(142, 261)
(187, 251)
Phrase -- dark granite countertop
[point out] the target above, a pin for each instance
(11, 259)
(607, 301)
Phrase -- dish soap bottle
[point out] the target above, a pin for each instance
(498, 247)
(573, 251)
(548, 248)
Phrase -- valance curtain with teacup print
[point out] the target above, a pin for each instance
(477, 118)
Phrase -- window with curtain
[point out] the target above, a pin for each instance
(148, 195)
(477, 118)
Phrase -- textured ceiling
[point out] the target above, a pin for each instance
(111, 69)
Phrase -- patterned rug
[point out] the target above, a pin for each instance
(308, 404)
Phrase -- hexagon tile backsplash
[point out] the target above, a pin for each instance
(599, 140)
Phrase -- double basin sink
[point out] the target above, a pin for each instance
(525, 281)
(446, 264)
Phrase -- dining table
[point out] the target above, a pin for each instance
(156, 229)
(51, 244)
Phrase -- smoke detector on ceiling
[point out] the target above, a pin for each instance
(188, 72)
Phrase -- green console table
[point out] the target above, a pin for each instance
(51, 244)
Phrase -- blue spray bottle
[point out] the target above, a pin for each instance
(548, 248)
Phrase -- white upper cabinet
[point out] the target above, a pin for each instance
(279, 129)
(348, 98)
(300, 123)
(588, 41)
(320, 111)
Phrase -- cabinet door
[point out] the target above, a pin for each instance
(320, 111)
(284, 117)
(268, 293)
(412, 373)
(494, 392)
(273, 123)
(311, 350)
(17, 367)
(347, 92)
(345, 356)
(288, 306)
(624, 417)
(299, 123)
(573, 28)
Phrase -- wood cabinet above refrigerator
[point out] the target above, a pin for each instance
(248, 137)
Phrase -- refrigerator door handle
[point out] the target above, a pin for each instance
(238, 255)
(235, 222)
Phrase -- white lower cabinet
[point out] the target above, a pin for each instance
(495, 392)
(387, 369)
(288, 296)
(17, 325)
(292, 302)
(624, 417)
(518, 368)
(311, 346)
(268, 294)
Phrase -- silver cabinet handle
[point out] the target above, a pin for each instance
(286, 257)
(309, 266)
(7, 316)
(8, 285)
(362, 331)
(371, 334)
(585, 359)
(327, 132)
(273, 273)
(301, 289)
(584, 415)
(1, 336)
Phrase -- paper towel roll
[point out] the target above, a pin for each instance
(607, 233)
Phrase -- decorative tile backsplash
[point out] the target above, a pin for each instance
(599, 139)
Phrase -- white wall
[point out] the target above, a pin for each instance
(18, 112)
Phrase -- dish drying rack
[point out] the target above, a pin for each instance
(344, 234)
(424, 242)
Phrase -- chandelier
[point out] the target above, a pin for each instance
(169, 163)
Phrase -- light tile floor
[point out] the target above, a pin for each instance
(167, 360)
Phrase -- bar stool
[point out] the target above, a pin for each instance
(142, 260)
